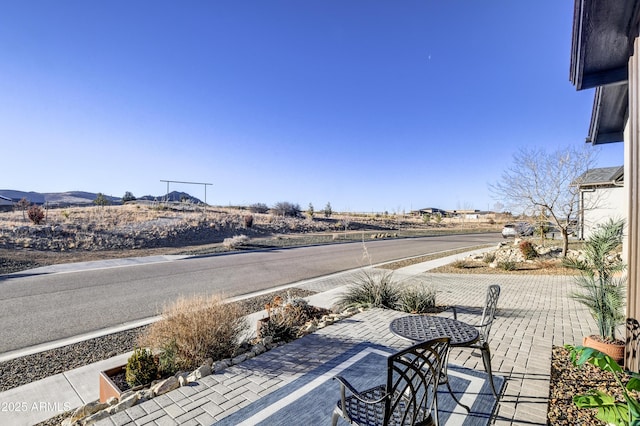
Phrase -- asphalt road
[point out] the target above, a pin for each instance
(36, 309)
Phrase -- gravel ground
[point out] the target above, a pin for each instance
(567, 381)
(27, 369)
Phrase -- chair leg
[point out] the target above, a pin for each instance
(486, 359)
(453, 395)
(334, 418)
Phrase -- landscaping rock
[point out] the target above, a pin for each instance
(199, 373)
(258, 348)
(239, 359)
(124, 404)
(95, 417)
(88, 410)
(165, 386)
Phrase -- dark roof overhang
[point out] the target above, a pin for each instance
(603, 34)
(609, 114)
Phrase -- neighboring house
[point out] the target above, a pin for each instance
(464, 214)
(431, 211)
(602, 197)
(6, 204)
(605, 55)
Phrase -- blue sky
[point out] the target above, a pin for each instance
(368, 105)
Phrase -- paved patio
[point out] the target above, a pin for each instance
(535, 313)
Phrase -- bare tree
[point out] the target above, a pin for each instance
(540, 181)
(23, 205)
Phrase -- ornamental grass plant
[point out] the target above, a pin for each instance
(417, 298)
(197, 328)
(371, 289)
(374, 289)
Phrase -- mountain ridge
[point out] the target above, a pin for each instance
(84, 197)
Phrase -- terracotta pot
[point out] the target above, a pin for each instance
(614, 350)
(107, 387)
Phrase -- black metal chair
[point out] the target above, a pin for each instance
(408, 397)
(488, 315)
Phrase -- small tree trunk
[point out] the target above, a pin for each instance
(565, 241)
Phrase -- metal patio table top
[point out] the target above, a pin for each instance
(419, 328)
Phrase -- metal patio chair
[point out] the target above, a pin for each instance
(488, 315)
(408, 397)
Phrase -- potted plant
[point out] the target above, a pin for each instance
(603, 287)
(140, 370)
(610, 410)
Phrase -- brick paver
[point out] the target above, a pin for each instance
(535, 313)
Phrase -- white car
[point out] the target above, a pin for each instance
(518, 229)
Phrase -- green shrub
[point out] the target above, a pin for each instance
(101, 200)
(417, 298)
(36, 214)
(259, 208)
(528, 250)
(141, 368)
(328, 211)
(371, 290)
(167, 360)
(278, 329)
(285, 208)
(128, 196)
(285, 318)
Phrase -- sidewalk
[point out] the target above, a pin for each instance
(535, 312)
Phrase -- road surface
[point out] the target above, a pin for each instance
(39, 308)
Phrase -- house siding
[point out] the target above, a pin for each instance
(611, 204)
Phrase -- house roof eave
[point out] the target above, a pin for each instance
(609, 114)
(602, 41)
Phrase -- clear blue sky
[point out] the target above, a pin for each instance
(369, 105)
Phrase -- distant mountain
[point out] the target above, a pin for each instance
(77, 198)
(56, 198)
(172, 196)
(32, 197)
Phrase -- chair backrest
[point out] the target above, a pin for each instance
(489, 311)
(412, 382)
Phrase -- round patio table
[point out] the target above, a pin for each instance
(420, 328)
(426, 327)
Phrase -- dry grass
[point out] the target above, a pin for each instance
(200, 327)
(109, 217)
(235, 241)
(135, 213)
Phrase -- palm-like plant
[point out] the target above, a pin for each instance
(603, 289)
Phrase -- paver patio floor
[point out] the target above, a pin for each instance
(535, 312)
